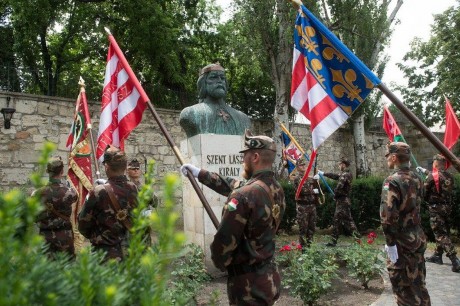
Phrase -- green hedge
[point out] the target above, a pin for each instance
(365, 205)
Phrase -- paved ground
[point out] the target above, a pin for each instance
(443, 286)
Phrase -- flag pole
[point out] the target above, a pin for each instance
(303, 152)
(168, 137)
(89, 128)
(420, 126)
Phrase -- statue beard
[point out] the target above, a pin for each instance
(247, 171)
(218, 92)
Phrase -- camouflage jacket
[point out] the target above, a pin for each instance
(446, 183)
(307, 194)
(402, 194)
(97, 220)
(247, 230)
(57, 198)
(343, 187)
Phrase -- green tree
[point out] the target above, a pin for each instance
(57, 41)
(430, 68)
(362, 25)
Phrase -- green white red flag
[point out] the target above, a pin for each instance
(390, 126)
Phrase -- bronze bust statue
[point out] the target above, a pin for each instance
(212, 115)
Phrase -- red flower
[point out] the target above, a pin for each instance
(285, 248)
(299, 247)
(293, 243)
(370, 241)
(372, 235)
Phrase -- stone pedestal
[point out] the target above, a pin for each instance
(215, 153)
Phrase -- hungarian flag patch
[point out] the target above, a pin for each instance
(386, 186)
(232, 204)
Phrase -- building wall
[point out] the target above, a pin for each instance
(41, 118)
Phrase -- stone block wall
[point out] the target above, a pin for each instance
(42, 118)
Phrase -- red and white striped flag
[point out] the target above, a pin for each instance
(123, 101)
(329, 82)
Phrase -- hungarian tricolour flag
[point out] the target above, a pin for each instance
(329, 82)
(390, 126)
(452, 131)
(79, 145)
(123, 101)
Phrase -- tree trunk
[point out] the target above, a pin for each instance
(362, 166)
(281, 75)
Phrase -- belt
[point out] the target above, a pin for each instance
(235, 270)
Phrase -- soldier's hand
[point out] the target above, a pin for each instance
(320, 172)
(100, 181)
(392, 252)
(421, 169)
(194, 170)
(316, 177)
(146, 212)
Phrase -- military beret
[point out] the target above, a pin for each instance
(398, 148)
(211, 67)
(257, 142)
(134, 163)
(344, 160)
(55, 164)
(439, 157)
(114, 156)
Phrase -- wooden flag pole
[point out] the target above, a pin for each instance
(420, 126)
(157, 118)
(89, 128)
(199, 192)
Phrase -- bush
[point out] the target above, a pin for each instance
(308, 274)
(29, 277)
(290, 214)
(364, 262)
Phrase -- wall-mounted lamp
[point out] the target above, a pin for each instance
(378, 144)
(7, 113)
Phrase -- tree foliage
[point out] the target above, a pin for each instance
(431, 69)
(55, 42)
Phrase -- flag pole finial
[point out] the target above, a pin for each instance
(107, 30)
(81, 82)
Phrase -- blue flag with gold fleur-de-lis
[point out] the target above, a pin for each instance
(329, 82)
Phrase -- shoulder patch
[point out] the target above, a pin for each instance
(232, 204)
(386, 186)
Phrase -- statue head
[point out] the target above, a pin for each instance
(212, 82)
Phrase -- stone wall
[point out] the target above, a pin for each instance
(40, 118)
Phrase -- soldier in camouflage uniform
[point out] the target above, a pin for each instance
(402, 194)
(306, 204)
(134, 173)
(54, 221)
(440, 209)
(103, 221)
(244, 243)
(342, 215)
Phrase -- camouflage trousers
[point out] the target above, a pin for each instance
(407, 279)
(440, 224)
(306, 219)
(342, 219)
(111, 251)
(59, 241)
(261, 287)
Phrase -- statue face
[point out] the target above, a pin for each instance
(216, 84)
